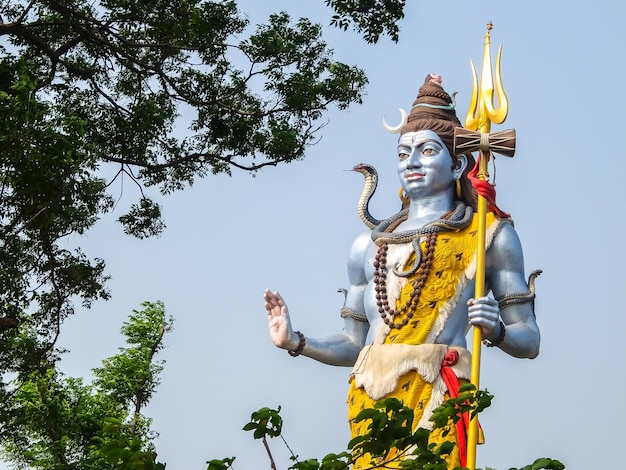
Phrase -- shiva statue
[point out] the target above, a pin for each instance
(410, 302)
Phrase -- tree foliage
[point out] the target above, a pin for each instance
(50, 421)
(158, 93)
(372, 18)
(390, 441)
(125, 68)
(48, 189)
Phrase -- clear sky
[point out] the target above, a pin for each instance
(229, 238)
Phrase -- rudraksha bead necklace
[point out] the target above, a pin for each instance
(386, 312)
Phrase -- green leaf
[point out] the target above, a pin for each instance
(250, 426)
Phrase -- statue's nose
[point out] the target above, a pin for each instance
(414, 160)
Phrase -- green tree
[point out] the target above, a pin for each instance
(57, 422)
(89, 84)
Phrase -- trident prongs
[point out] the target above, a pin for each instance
(482, 111)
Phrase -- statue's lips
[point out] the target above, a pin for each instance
(414, 176)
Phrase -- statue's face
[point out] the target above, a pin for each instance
(425, 165)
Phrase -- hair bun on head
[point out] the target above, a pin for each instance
(433, 109)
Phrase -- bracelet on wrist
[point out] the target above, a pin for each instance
(499, 339)
(296, 352)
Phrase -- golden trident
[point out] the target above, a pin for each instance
(476, 136)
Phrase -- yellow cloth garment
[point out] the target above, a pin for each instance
(405, 363)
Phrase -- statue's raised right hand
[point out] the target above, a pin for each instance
(281, 332)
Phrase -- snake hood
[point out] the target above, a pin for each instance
(371, 182)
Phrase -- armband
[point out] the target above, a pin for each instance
(521, 298)
(349, 313)
(515, 299)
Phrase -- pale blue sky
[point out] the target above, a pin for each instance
(290, 229)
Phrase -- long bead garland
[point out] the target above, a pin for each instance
(386, 312)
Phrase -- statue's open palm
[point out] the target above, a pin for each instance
(281, 332)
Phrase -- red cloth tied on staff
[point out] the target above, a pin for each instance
(453, 385)
(485, 189)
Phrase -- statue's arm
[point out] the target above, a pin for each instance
(340, 349)
(505, 276)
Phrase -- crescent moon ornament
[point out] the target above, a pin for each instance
(396, 129)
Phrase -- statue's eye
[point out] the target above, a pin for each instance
(429, 151)
(403, 155)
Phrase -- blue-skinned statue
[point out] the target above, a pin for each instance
(410, 301)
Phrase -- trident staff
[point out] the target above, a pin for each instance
(476, 137)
